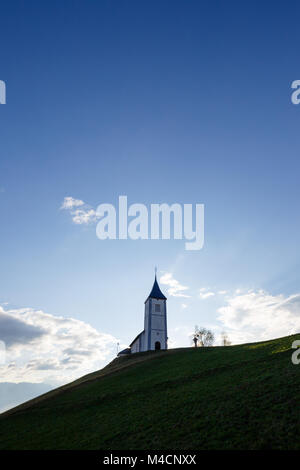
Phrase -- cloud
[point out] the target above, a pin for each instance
(204, 293)
(14, 330)
(84, 216)
(70, 203)
(43, 347)
(259, 315)
(175, 289)
(81, 212)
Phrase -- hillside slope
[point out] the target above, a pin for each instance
(241, 397)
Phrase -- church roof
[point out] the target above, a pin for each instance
(124, 352)
(136, 338)
(156, 293)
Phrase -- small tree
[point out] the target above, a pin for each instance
(203, 337)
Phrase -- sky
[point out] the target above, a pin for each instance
(164, 102)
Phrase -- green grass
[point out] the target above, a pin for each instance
(237, 397)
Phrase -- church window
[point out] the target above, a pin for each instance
(157, 307)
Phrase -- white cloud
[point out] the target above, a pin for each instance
(84, 216)
(204, 293)
(183, 306)
(46, 348)
(81, 212)
(69, 203)
(222, 292)
(175, 289)
(258, 316)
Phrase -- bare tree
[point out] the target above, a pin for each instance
(225, 339)
(203, 337)
(209, 338)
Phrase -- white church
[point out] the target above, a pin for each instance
(154, 335)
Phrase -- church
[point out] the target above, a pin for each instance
(154, 335)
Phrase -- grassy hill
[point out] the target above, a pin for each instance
(237, 397)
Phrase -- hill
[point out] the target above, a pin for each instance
(236, 397)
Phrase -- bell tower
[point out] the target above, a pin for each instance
(155, 320)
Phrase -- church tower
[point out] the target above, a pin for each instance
(155, 320)
(154, 335)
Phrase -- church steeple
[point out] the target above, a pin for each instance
(154, 335)
(155, 319)
(156, 293)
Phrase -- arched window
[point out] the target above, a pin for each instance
(157, 345)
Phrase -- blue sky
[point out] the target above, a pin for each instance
(161, 101)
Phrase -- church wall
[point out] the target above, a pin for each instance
(158, 322)
(155, 327)
(134, 347)
(146, 316)
(143, 345)
(138, 345)
(158, 336)
(155, 324)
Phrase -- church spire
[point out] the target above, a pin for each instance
(156, 293)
